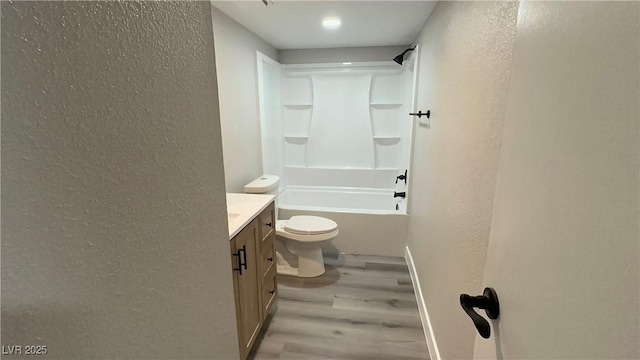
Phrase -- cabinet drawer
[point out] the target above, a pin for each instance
(267, 220)
(269, 291)
(267, 255)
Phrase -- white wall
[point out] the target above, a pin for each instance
(236, 48)
(338, 55)
(465, 53)
(564, 249)
(114, 234)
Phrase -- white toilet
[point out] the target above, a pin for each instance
(301, 236)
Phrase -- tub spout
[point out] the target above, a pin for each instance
(399, 194)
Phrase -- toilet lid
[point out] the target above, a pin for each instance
(309, 225)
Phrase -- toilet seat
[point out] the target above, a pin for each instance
(307, 228)
(309, 225)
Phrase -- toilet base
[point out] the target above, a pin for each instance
(310, 264)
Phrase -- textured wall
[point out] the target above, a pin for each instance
(236, 48)
(114, 236)
(564, 245)
(464, 67)
(338, 55)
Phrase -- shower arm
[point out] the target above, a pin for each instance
(400, 58)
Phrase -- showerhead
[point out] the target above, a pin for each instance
(400, 58)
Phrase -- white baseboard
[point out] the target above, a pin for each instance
(434, 353)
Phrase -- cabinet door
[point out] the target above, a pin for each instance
(246, 284)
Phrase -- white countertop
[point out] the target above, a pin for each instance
(242, 208)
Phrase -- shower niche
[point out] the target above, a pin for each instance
(297, 112)
(335, 125)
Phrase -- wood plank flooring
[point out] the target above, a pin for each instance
(363, 307)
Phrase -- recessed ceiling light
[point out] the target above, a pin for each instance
(331, 22)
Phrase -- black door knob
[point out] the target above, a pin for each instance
(487, 301)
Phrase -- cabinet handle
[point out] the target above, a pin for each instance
(240, 264)
(244, 255)
(272, 292)
(270, 259)
(269, 224)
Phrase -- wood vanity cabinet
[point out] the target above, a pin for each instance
(254, 276)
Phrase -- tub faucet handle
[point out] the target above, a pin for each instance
(402, 177)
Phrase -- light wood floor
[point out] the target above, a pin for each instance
(363, 307)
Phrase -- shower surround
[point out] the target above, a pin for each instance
(339, 135)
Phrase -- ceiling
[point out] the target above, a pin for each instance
(298, 24)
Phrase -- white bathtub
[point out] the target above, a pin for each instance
(367, 219)
(335, 199)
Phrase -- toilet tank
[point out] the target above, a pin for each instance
(265, 184)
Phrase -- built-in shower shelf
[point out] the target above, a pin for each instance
(386, 140)
(296, 139)
(298, 106)
(385, 105)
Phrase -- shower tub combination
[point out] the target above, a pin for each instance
(366, 224)
(339, 136)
